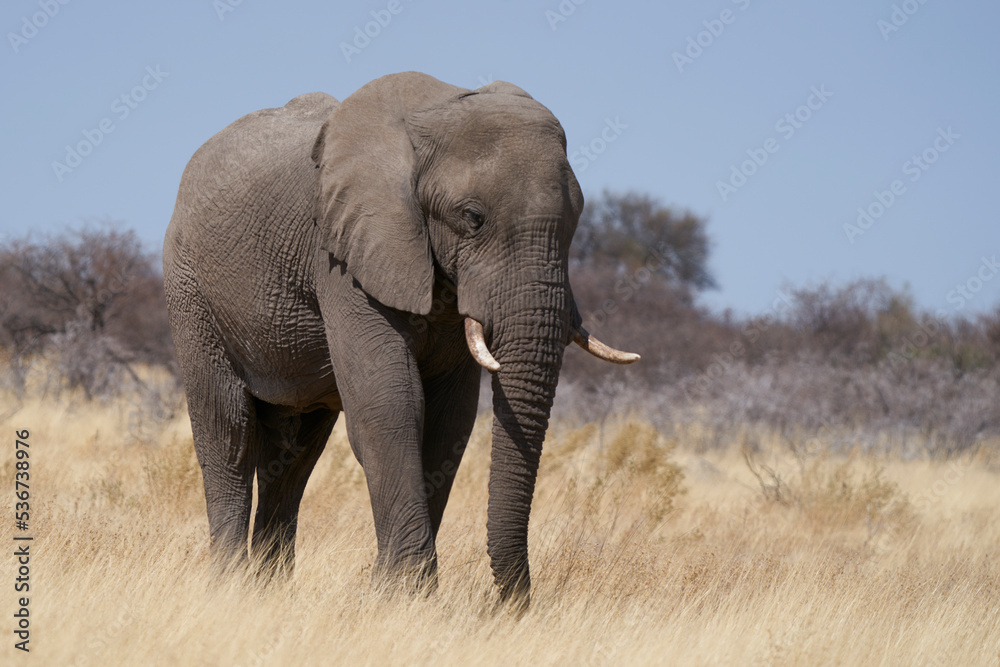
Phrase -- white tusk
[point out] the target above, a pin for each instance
(582, 338)
(477, 345)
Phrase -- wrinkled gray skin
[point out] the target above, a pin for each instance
(321, 258)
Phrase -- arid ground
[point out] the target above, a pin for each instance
(648, 546)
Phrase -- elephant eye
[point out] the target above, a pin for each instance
(474, 217)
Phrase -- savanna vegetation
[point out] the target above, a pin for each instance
(814, 485)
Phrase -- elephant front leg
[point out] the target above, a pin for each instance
(451, 404)
(385, 426)
(383, 404)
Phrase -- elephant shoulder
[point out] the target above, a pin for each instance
(311, 109)
(262, 158)
(315, 106)
(258, 138)
(305, 112)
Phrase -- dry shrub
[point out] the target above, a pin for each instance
(109, 492)
(173, 476)
(598, 500)
(850, 494)
(640, 457)
(834, 494)
(631, 475)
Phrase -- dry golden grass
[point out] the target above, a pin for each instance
(645, 549)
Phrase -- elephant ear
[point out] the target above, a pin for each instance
(366, 205)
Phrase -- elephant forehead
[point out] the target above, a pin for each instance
(485, 125)
(517, 133)
(506, 154)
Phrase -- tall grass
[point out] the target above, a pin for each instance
(646, 547)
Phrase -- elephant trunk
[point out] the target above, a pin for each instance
(529, 346)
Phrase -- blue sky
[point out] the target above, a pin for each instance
(776, 124)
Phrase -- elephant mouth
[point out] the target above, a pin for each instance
(481, 353)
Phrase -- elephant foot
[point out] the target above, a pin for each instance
(513, 600)
(414, 577)
(273, 555)
(226, 559)
(274, 571)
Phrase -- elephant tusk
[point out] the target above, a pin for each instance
(583, 338)
(477, 345)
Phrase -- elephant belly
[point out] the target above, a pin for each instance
(285, 360)
(304, 391)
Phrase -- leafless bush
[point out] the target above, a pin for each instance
(654, 319)
(633, 231)
(856, 362)
(922, 407)
(88, 303)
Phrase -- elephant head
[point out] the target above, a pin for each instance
(423, 181)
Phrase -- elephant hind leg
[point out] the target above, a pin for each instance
(288, 448)
(222, 422)
(222, 416)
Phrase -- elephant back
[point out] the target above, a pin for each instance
(243, 224)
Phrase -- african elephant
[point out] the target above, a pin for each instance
(367, 257)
